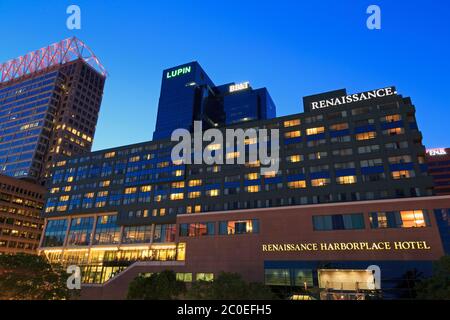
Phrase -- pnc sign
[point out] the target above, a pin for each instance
(437, 152)
(332, 102)
(179, 72)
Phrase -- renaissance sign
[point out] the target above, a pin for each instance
(332, 102)
(347, 246)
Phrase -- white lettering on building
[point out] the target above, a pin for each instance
(239, 86)
(437, 152)
(380, 93)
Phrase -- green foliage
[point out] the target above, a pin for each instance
(229, 286)
(438, 286)
(159, 286)
(199, 290)
(31, 277)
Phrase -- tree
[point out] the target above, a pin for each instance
(407, 284)
(159, 286)
(31, 277)
(438, 286)
(229, 286)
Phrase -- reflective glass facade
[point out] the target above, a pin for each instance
(47, 113)
(188, 94)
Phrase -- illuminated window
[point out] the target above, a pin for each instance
(61, 208)
(195, 194)
(177, 196)
(233, 155)
(146, 188)
(313, 131)
(102, 194)
(61, 163)
(184, 277)
(366, 135)
(252, 189)
(215, 146)
(320, 182)
(158, 198)
(105, 183)
(100, 204)
(164, 164)
(178, 185)
(254, 164)
(399, 219)
(252, 176)
(293, 134)
(249, 141)
(392, 118)
(89, 195)
(292, 123)
(339, 126)
(238, 227)
(197, 208)
(213, 193)
(413, 219)
(54, 190)
(49, 209)
(130, 190)
(110, 155)
(195, 183)
(297, 184)
(270, 174)
(295, 158)
(67, 188)
(402, 174)
(178, 173)
(134, 159)
(69, 179)
(346, 180)
(204, 277)
(394, 131)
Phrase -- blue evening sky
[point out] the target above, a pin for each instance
(294, 48)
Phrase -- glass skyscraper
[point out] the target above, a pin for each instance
(49, 103)
(188, 95)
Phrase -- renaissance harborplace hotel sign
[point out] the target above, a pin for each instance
(347, 246)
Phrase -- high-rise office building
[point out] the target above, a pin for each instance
(188, 95)
(21, 225)
(49, 103)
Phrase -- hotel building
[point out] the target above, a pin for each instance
(352, 191)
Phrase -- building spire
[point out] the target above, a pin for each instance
(58, 53)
